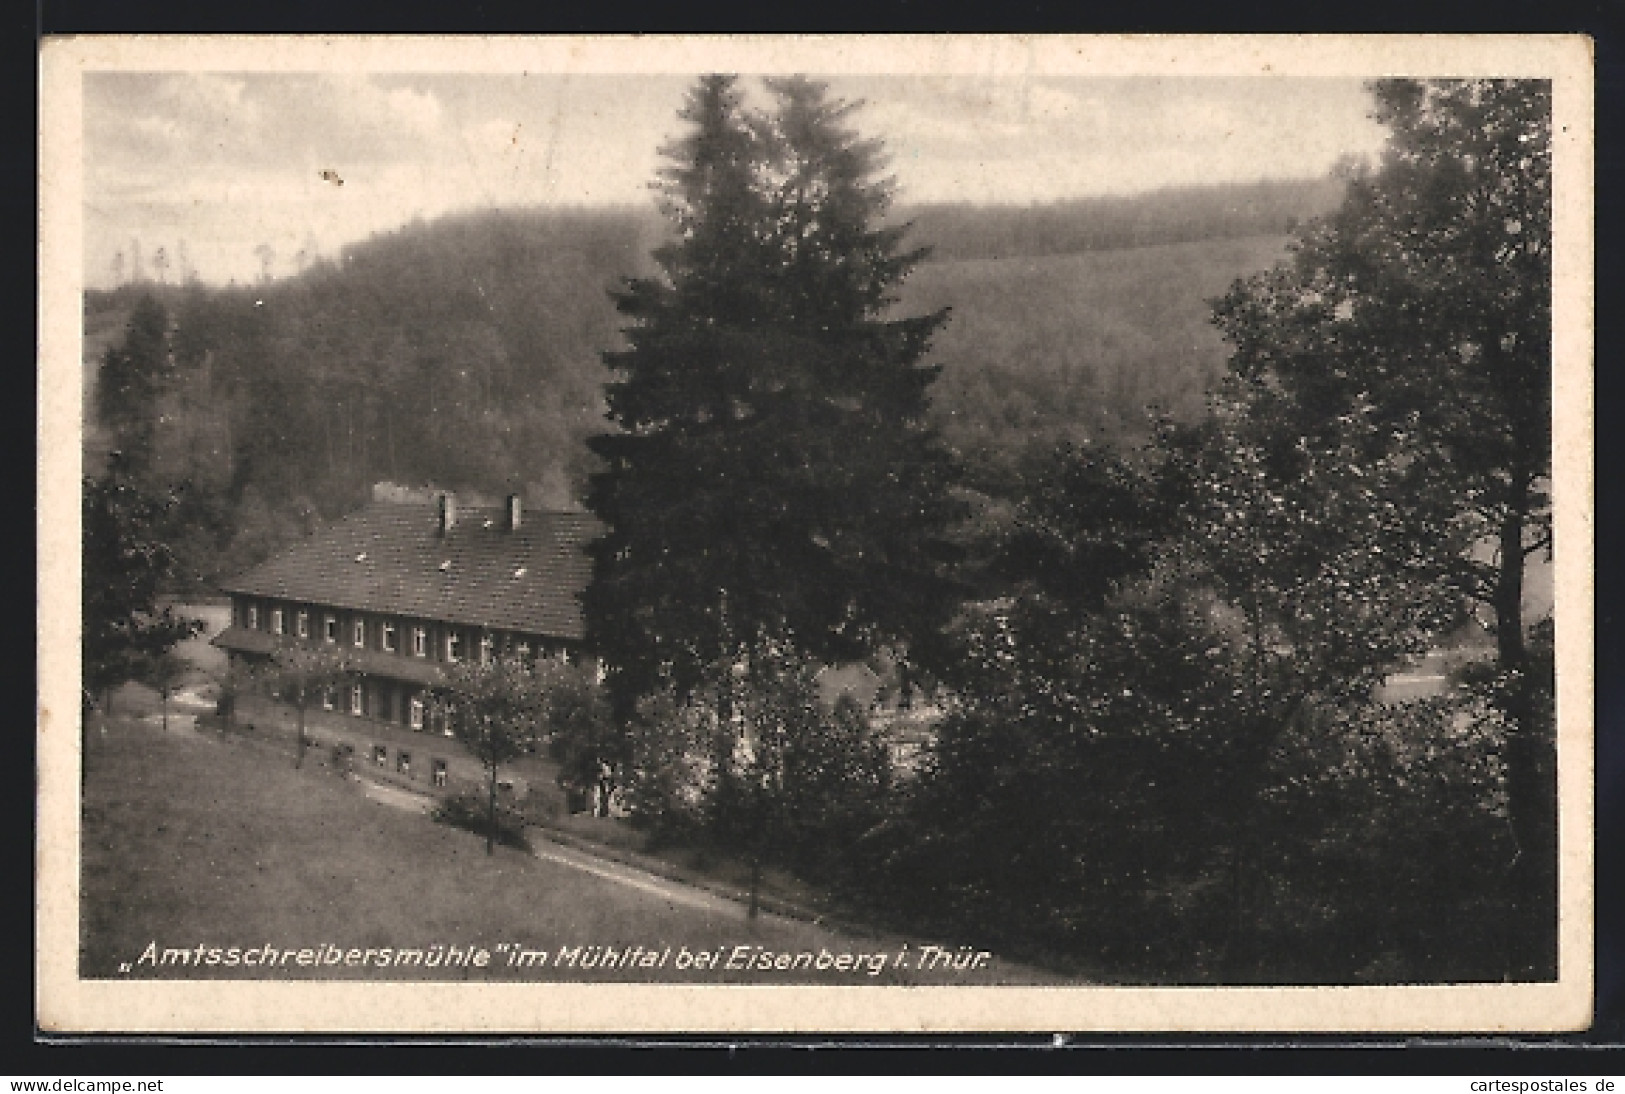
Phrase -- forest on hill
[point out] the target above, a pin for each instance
(466, 351)
(1081, 347)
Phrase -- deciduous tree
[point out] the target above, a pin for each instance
(582, 735)
(494, 708)
(301, 671)
(1414, 324)
(126, 565)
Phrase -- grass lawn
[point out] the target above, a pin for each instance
(701, 865)
(192, 840)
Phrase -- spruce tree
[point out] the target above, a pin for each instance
(133, 376)
(773, 473)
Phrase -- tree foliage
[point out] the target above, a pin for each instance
(1414, 327)
(1182, 214)
(465, 351)
(301, 671)
(462, 353)
(1180, 628)
(582, 734)
(135, 373)
(1186, 660)
(773, 471)
(126, 563)
(753, 761)
(494, 708)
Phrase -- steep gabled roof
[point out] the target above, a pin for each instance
(390, 558)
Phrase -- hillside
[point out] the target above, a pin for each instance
(1180, 214)
(466, 352)
(1078, 345)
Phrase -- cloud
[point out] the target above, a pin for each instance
(417, 110)
(970, 113)
(254, 122)
(227, 160)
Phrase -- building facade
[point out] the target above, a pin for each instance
(406, 588)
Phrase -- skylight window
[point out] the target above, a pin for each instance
(445, 566)
(362, 557)
(519, 572)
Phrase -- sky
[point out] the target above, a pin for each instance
(215, 166)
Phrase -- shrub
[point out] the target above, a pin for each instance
(756, 763)
(470, 812)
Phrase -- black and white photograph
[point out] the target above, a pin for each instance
(929, 533)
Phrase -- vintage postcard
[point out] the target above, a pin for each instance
(773, 534)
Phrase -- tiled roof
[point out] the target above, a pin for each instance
(391, 558)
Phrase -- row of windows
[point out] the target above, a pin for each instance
(354, 699)
(452, 646)
(403, 762)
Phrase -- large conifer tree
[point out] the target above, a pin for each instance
(772, 473)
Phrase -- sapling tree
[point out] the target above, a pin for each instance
(302, 671)
(495, 709)
(166, 672)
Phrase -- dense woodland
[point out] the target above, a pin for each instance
(466, 351)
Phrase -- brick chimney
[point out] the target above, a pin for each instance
(448, 512)
(514, 513)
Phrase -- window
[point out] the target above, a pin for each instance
(330, 628)
(487, 645)
(327, 698)
(276, 621)
(440, 772)
(301, 624)
(389, 637)
(524, 651)
(380, 755)
(414, 714)
(355, 699)
(403, 762)
(358, 634)
(420, 642)
(252, 621)
(454, 645)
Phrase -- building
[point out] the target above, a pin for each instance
(408, 587)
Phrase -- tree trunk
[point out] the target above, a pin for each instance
(491, 816)
(164, 695)
(1530, 760)
(1238, 804)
